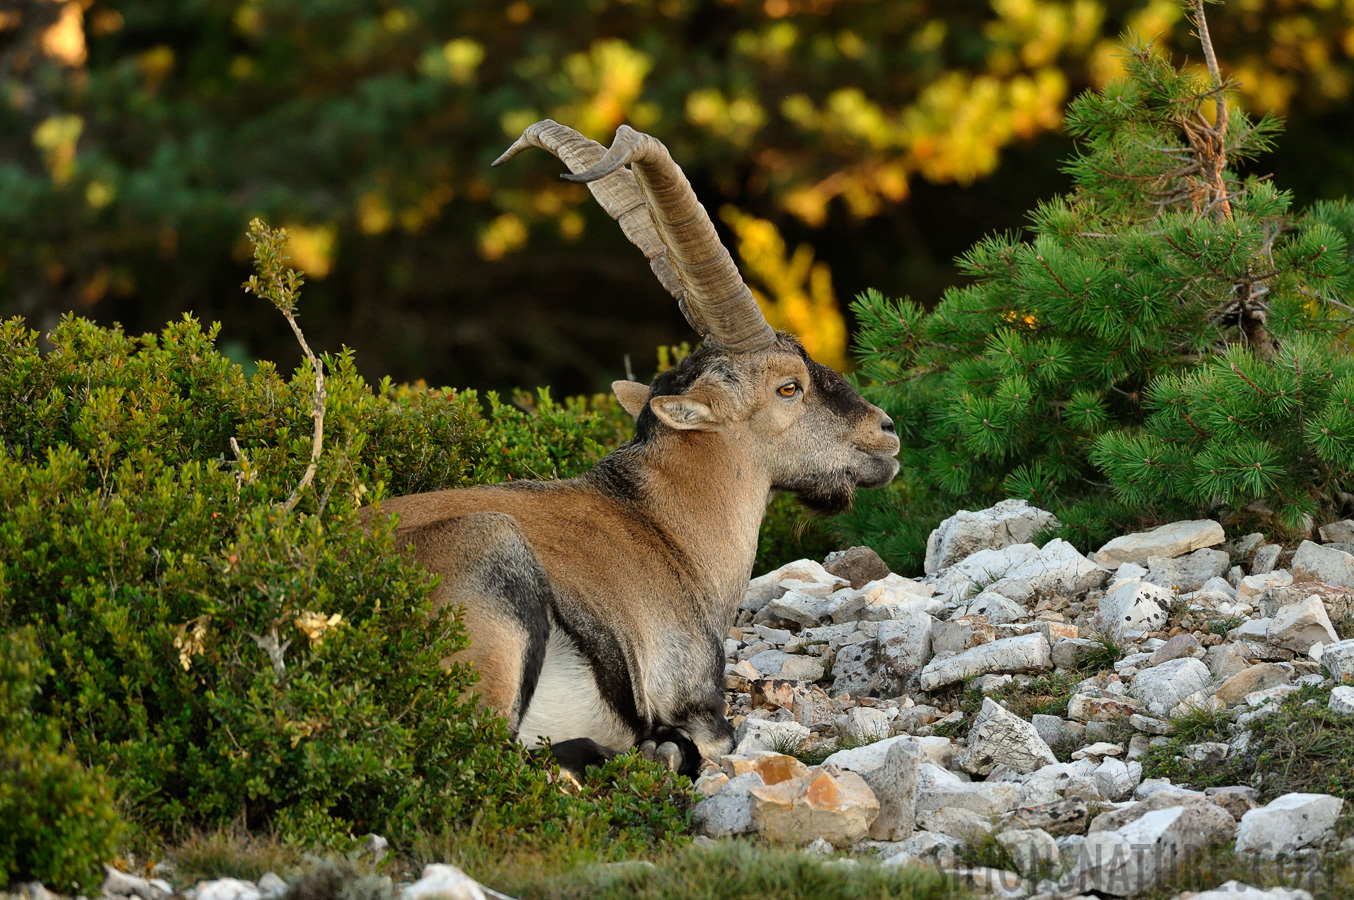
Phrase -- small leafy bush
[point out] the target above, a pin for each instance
(59, 817)
(1165, 343)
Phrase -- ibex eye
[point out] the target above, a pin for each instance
(788, 390)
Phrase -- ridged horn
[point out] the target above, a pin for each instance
(712, 293)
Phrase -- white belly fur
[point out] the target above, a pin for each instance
(567, 703)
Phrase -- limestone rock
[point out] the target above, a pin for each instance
(1024, 653)
(1313, 562)
(237, 889)
(863, 723)
(765, 588)
(895, 788)
(1342, 531)
(1254, 586)
(855, 667)
(1131, 859)
(1178, 647)
(1000, 737)
(787, 666)
(1069, 815)
(1339, 601)
(762, 734)
(729, 810)
(1235, 890)
(965, 533)
(986, 798)
(964, 824)
(995, 608)
(1201, 815)
(903, 650)
(838, 808)
(1288, 823)
(1168, 541)
(858, 565)
(1132, 608)
(1056, 569)
(1163, 687)
(801, 609)
(1338, 660)
(1301, 625)
(120, 884)
(1342, 700)
(1265, 559)
(961, 633)
(1188, 572)
(440, 881)
(1034, 850)
(1259, 677)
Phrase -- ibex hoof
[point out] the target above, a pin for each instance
(670, 755)
(648, 749)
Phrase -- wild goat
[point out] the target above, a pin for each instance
(597, 607)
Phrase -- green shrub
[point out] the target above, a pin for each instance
(1165, 344)
(59, 820)
(230, 657)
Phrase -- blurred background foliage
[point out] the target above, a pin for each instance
(840, 144)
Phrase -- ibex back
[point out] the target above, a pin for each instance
(597, 607)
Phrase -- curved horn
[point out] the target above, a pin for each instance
(713, 296)
(617, 193)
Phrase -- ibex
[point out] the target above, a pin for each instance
(597, 606)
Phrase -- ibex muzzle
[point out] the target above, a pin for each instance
(597, 607)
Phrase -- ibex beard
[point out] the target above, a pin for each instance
(597, 607)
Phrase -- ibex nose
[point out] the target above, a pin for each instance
(887, 425)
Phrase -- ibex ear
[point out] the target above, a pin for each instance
(632, 394)
(685, 412)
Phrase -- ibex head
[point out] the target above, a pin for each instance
(817, 437)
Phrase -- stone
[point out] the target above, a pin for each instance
(1114, 779)
(1087, 708)
(1338, 660)
(443, 882)
(986, 798)
(1299, 626)
(854, 668)
(1099, 750)
(1162, 687)
(1265, 559)
(1235, 890)
(903, 650)
(1259, 677)
(801, 609)
(1034, 850)
(1288, 823)
(1339, 601)
(271, 885)
(858, 565)
(1069, 815)
(1245, 545)
(889, 598)
(120, 884)
(769, 767)
(761, 734)
(1024, 653)
(1226, 660)
(1252, 587)
(237, 889)
(1342, 531)
(838, 808)
(1067, 653)
(964, 824)
(1056, 569)
(1054, 729)
(993, 607)
(1132, 608)
(866, 759)
(926, 847)
(1131, 859)
(895, 788)
(1201, 815)
(1179, 647)
(987, 882)
(959, 634)
(1000, 737)
(1342, 700)
(863, 724)
(1167, 541)
(765, 588)
(1313, 562)
(729, 810)
(965, 533)
(1237, 800)
(1189, 572)
(1058, 781)
(787, 666)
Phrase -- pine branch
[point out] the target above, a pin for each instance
(1213, 139)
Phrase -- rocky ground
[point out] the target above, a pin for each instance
(880, 717)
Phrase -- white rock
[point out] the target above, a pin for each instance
(271, 884)
(760, 734)
(965, 533)
(997, 609)
(1129, 860)
(801, 609)
(1338, 660)
(1132, 608)
(1057, 568)
(443, 882)
(838, 808)
(923, 847)
(1189, 572)
(973, 574)
(729, 810)
(235, 889)
(1254, 586)
(1313, 562)
(866, 759)
(864, 723)
(765, 588)
(1340, 532)
(986, 798)
(1288, 823)
(1163, 687)
(1342, 700)
(1000, 737)
(1167, 541)
(1235, 890)
(895, 787)
(1266, 557)
(1115, 779)
(903, 650)
(120, 884)
(1024, 653)
(1034, 850)
(964, 824)
(1300, 625)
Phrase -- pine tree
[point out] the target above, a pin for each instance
(1167, 341)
